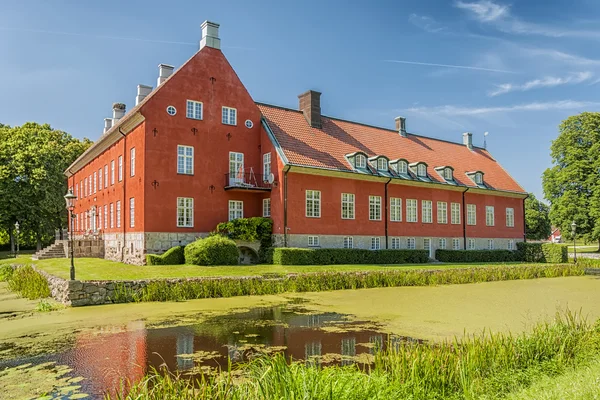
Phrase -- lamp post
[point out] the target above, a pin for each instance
(574, 232)
(70, 201)
(17, 238)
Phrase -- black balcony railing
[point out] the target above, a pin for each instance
(246, 181)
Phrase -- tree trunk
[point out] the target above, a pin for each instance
(39, 241)
(12, 240)
(598, 245)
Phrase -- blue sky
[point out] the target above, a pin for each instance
(513, 69)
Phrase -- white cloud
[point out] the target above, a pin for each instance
(450, 110)
(485, 10)
(426, 23)
(564, 57)
(545, 82)
(471, 67)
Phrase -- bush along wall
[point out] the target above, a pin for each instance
(460, 256)
(251, 230)
(173, 256)
(543, 252)
(214, 250)
(299, 256)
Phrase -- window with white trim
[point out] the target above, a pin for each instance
(266, 165)
(471, 244)
(455, 244)
(76, 190)
(395, 243)
(112, 215)
(85, 186)
(105, 217)
(489, 215)
(347, 206)
(490, 244)
(120, 168)
(375, 208)
(402, 167)
(105, 176)
(442, 244)
(313, 241)
(228, 115)
(471, 214)
(510, 217)
(360, 161)
(395, 209)
(100, 179)
(455, 213)
(479, 178)
(375, 243)
(442, 212)
(266, 207)
(448, 174)
(194, 109)
(411, 210)
(421, 170)
(90, 185)
(185, 212)
(511, 244)
(112, 172)
(100, 218)
(348, 242)
(426, 211)
(382, 164)
(118, 213)
(185, 160)
(411, 243)
(131, 212)
(132, 161)
(313, 203)
(236, 209)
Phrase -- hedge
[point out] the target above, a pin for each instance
(298, 256)
(214, 250)
(543, 252)
(173, 256)
(454, 256)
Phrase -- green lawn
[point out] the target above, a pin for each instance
(593, 248)
(100, 269)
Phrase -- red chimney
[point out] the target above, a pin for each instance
(310, 105)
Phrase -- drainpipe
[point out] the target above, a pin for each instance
(285, 213)
(386, 213)
(124, 192)
(524, 221)
(464, 212)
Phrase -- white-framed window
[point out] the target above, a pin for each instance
(395, 243)
(375, 243)
(90, 185)
(490, 244)
(266, 207)
(471, 244)
(100, 179)
(100, 218)
(455, 244)
(348, 242)
(448, 174)
(236, 209)
(421, 170)
(489, 215)
(185, 212)
(131, 212)
(479, 178)
(194, 109)
(360, 161)
(105, 176)
(510, 217)
(426, 211)
(266, 165)
(132, 161)
(118, 213)
(402, 167)
(229, 115)
(411, 243)
(85, 185)
(76, 189)
(382, 164)
(442, 244)
(511, 244)
(442, 212)
(313, 203)
(185, 160)
(411, 210)
(375, 208)
(471, 214)
(112, 172)
(347, 206)
(395, 209)
(313, 241)
(105, 217)
(171, 110)
(120, 168)
(112, 215)
(455, 213)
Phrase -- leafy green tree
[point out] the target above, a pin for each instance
(537, 219)
(572, 185)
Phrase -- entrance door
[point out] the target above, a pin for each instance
(427, 246)
(236, 168)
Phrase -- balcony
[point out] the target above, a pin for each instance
(247, 181)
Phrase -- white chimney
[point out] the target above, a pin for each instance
(468, 140)
(107, 124)
(401, 126)
(164, 71)
(142, 92)
(210, 35)
(118, 112)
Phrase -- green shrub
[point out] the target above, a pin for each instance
(298, 256)
(29, 283)
(250, 230)
(543, 252)
(6, 272)
(214, 250)
(588, 262)
(173, 256)
(458, 256)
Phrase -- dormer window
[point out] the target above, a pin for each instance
(402, 167)
(360, 161)
(479, 178)
(421, 170)
(382, 164)
(448, 174)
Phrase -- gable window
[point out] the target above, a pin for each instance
(455, 244)
(395, 209)
(375, 208)
(132, 161)
(395, 243)
(267, 207)
(105, 176)
(411, 210)
(347, 206)
(131, 212)
(402, 167)
(448, 174)
(421, 170)
(313, 203)
(411, 244)
(510, 217)
(120, 168)
(375, 243)
(185, 160)
(348, 242)
(382, 164)
(229, 116)
(185, 212)
(236, 209)
(266, 165)
(313, 241)
(471, 214)
(455, 213)
(360, 161)
(112, 172)
(426, 212)
(442, 244)
(442, 212)
(194, 109)
(471, 244)
(489, 215)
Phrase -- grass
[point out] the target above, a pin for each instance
(486, 366)
(585, 249)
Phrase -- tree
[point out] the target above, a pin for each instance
(537, 219)
(33, 158)
(572, 185)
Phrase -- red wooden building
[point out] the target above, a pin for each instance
(198, 150)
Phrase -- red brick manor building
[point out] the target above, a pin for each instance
(198, 150)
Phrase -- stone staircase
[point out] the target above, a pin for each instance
(56, 250)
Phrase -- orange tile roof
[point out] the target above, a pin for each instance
(327, 147)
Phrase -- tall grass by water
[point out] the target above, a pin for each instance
(27, 282)
(169, 290)
(485, 366)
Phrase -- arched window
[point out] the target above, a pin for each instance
(479, 178)
(360, 161)
(382, 164)
(402, 167)
(448, 174)
(422, 170)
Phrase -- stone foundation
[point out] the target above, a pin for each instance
(159, 242)
(85, 248)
